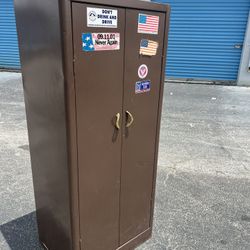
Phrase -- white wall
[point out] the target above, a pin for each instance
(244, 74)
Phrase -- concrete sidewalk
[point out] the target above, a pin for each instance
(203, 185)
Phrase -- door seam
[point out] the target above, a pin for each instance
(123, 127)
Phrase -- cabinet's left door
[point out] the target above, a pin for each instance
(98, 38)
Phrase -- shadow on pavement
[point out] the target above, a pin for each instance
(21, 233)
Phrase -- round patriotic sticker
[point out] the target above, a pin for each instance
(143, 71)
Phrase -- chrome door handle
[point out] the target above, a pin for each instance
(117, 122)
(131, 119)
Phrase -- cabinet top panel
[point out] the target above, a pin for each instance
(134, 4)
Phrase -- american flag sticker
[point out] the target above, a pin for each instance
(148, 47)
(148, 24)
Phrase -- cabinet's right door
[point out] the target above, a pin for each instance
(144, 34)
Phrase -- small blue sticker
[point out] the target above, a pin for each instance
(142, 86)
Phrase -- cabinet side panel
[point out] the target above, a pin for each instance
(38, 25)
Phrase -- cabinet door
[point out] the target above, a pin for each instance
(99, 91)
(139, 142)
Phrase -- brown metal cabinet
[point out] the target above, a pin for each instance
(93, 74)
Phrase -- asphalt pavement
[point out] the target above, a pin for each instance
(203, 182)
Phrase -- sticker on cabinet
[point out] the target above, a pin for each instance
(148, 47)
(148, 24)
(97, 17)
(143, 71)
(100, 41)
(142, 86)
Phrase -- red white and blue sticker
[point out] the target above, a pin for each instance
(148, 24)
(100, 41)
(142, 86)
(148, 47)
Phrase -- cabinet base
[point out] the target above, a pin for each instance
(139, 239)
(130, 245)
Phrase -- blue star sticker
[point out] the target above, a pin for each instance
(87, 42)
